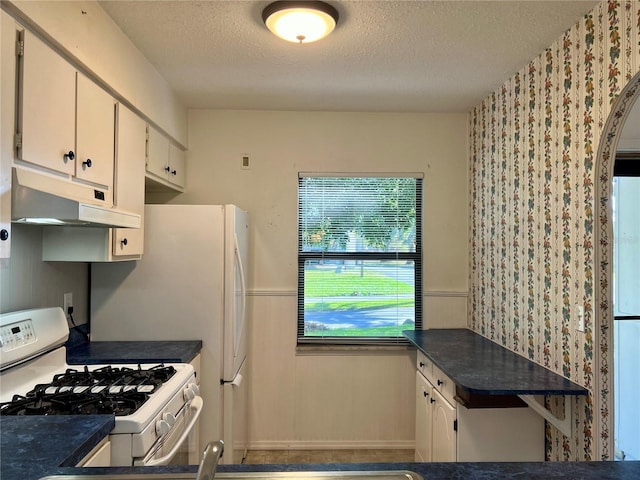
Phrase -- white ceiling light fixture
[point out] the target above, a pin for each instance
(300, 22)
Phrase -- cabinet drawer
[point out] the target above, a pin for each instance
(424, 365)
(444, 385)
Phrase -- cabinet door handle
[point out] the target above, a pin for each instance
(87, 163)
(421, 364)
(124, 242)
(440, 382)
(4, 234)
(69, 156)
(432, 400)
(174, 172)
(167, 168)
(425, 394)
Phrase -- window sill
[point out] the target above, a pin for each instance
(311, 349)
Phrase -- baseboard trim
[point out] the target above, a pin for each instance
(332, 445)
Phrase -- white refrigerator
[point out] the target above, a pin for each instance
(189, 285)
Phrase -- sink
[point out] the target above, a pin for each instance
(312, 475)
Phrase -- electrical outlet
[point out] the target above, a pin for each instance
(67, 302)
(580, 310)
(246, 162)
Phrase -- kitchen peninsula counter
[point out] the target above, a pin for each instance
(94, 353)
(479, 366)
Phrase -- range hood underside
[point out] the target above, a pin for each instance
(41, 199)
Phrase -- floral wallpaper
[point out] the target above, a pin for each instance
(541, 161)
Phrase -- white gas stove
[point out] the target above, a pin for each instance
(156, 407)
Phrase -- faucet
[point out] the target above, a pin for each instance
(210, 458)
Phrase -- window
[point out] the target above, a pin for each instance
(359, 258)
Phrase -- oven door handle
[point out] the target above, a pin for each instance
(196, 404)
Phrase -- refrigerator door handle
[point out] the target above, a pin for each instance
(243, 288)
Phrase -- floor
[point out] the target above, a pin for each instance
(328, 456)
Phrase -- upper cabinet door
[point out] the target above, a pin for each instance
(47, 107)
(165, 162)
(176, 165)
(158, 151)
(95, 133)
(130, 170)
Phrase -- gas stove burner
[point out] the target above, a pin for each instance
(106, 390)
(114, 380)
(70, 403)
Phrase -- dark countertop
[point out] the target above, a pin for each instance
(31, 445)
(480, 366)
(36, 446)
(93, 353)
(478, 471)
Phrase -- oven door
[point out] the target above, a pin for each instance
(180, 445)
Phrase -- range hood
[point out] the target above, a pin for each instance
(41, 199)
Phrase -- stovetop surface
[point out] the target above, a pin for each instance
(85, 391)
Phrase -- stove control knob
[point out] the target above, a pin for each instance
(191, 391)
(170, 418)
(189, 394)
(162, 427)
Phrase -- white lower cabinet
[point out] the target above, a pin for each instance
(435, 424)
(424, 416)
(443, 430)
(447, 431)
(100, 456)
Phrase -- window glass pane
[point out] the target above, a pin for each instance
(357, 214)
(626, 248)
(358, 298)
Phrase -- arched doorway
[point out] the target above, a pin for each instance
(604, 172)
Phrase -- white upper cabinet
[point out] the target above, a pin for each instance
(165, 161)
(95, 133)
(176, 165)
(157, 154)
(130, 171)
(66, 122)
(72, 244)
(47, 108)
(7, 128)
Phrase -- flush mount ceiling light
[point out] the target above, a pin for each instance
(300, 22)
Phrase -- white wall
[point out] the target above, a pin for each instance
(28, 282)
(342, 398)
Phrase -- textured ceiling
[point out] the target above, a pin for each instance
(394, 56)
